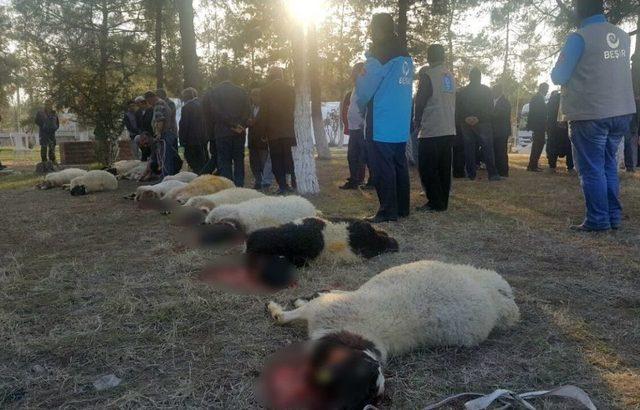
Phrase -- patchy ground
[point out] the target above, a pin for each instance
(92, 286)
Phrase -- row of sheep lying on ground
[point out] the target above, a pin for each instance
(351, 333)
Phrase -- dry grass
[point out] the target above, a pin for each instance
(91, 286)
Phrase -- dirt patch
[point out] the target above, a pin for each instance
(92, 286)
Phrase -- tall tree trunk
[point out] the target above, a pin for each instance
(303, 153)
(322, 145)
(450, 33)
(507, 46)
(636, 64)
(403, 10)
(158, 46)
(192, 76)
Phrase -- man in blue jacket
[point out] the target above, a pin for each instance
(597, 100)
(384, 91)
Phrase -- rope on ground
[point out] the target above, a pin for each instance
(508, 398)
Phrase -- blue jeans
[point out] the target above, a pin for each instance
(595, 147)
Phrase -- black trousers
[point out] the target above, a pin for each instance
(501, 154)
(257, 160)
(212, 164)
(391, 177)
(434, 163)
(48, 149)
(231, 158)
(458, 157)
(479, 134)
(539, 139)
(356, 156)
(553, 160)
(197, 157)
(282, 162)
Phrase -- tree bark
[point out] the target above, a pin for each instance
(322, 145)
(303, 153)
(507, 46)
(158, 44)
(403, 10)
(192, 76)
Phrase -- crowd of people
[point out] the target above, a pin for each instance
(458, 130)
(213, 131)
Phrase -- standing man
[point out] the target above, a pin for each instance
(598, 102)
(232, 111)
(192, 131)
(537, 122)
(354, 127)
(276, 118)
(558, 143)
(48, 123)
(476, 102)
(161, 112)
(258, 146)
(162, 93)
(384, 92)
(130, 122)
(501, 122)
(435, 118)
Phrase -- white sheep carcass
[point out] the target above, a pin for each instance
(230, 196)
(422, 304)
(61, 178)
(122, 168)
(93, 181)
(157, 191)
(228, 223)
(184, 176)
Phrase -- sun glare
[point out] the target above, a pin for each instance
(308, 11)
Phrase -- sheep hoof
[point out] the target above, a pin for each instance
(276, 311)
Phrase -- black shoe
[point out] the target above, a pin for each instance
(536, 169)
(349, 186)
(378, 219)
(585, 228)
(496, 178)
(368, 186)
(428, 209)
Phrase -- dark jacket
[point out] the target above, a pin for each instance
(558, 142)
(48, 123)
(501, 118)
(475, 100)
(537, 119)
(130, 122)
(144, 118)
(209, 114)
(277, 110)
(192, 127)
(231, 107)
(257, 140)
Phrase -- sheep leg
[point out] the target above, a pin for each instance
(283, 317)
(300, 302)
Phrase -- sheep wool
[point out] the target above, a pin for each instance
(93, 181)
(157, 191)
(136, 172)
(61, 178)
(124, 167)
(185, 177)
(263, 213)
(316, 239)
(202, 185)
(420, 304)
(229, 196)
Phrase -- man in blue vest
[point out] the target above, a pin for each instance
(384, 91)
(597, 100)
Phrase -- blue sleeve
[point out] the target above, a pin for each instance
(568, 60)
(368, 83)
